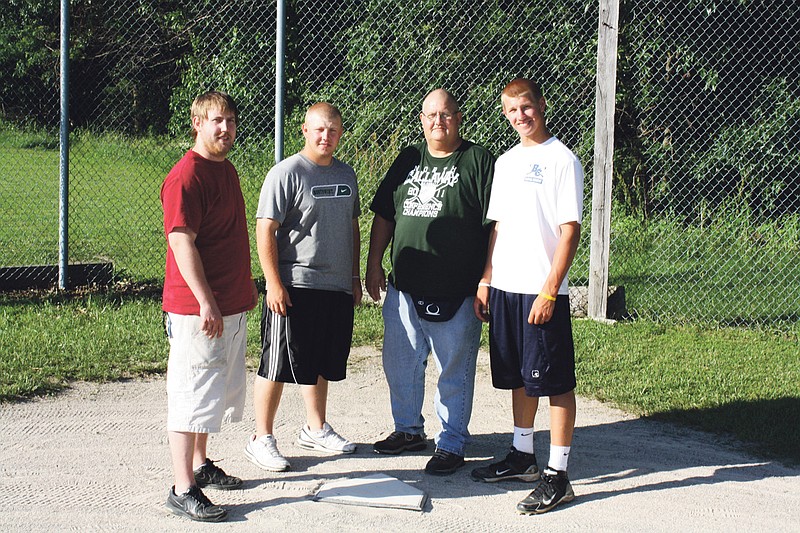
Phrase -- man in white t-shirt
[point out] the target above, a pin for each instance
(536, 203)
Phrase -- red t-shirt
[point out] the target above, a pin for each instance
(206, 197)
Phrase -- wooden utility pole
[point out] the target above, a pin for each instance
(605, 99)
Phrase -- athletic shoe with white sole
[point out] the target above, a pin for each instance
(517, 465)
(263, 452)
(553, 488)
(325, 440)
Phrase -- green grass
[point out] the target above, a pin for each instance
(49, 338)
(727, 270)
(730, 381)
(114, 209)
(29, 190)
(733, 382)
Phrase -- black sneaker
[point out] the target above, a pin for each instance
(443, 463)
(399, 442)
(210, 475)
(517, 465)
(552, 489)
(194, 505)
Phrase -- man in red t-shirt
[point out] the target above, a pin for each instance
(208, 288)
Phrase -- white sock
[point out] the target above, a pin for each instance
(316, 432)
(523, 439)
(559, 457)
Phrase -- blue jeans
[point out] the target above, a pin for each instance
(454, 344)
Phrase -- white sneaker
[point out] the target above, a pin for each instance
(326, 440)
(263, 452)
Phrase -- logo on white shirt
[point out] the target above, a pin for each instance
(535, 174)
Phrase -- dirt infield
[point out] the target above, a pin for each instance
(95, 458)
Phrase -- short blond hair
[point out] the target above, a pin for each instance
(325, 110)
(213, 100)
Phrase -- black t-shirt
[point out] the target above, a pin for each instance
(438, 206)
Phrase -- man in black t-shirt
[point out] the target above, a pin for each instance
(431, 207)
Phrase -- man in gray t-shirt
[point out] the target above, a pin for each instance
(309, 246)
(315, 206)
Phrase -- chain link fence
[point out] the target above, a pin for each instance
(708, 195)
(707, 164)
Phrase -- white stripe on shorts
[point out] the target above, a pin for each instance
(274, 344)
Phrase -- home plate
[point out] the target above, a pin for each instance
(376, 490)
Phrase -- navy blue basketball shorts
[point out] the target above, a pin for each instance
(312, 340)
(540, 358)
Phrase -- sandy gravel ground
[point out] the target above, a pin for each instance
(95, 459)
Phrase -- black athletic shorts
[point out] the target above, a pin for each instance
(312, 340)
(539, 357)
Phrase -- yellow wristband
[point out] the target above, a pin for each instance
(547, 296)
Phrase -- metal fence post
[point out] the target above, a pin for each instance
(280, 77)
(63, 244)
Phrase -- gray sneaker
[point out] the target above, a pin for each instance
(194, 505)
(263, 452)
(326, 440)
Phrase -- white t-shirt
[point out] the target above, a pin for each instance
(535, 190)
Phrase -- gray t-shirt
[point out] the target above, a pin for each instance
(315, 206)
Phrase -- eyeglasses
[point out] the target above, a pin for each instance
(445, 116)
